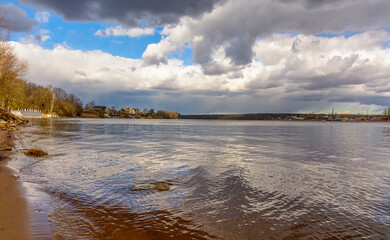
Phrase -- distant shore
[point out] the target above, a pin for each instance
(14, 211)
(286, 117)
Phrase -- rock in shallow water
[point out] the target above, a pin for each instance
(35, 152)
(162, 186)
(154, 186)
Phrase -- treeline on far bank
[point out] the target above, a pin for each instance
(17, 93)
(47, 99)
(92, 111)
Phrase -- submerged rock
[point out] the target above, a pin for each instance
(34, 152)
(162, 186)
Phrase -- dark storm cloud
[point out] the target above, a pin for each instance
(344, 71)
(17, 18)
(307, 97)
(295, 46)
(383, 90)
(314, 3)
(330, 81)
(127, 12)
(237, 27)
(317, 3)
(255, 84)
(235, 49)
(216, 68)
(203, 102)
(155, 60)
(363, 99)
(337, 95)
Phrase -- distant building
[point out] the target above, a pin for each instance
(134, 111)
(27, 113)
(99, 108)
(125, 110)
(114, 113)
(53, 115)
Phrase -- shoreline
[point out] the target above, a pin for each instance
(14, 210)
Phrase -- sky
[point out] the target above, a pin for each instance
(209, 56)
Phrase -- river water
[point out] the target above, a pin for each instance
(229, 179)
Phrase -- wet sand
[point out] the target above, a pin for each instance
(14, 213)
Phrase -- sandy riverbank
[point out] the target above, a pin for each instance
(14, 213)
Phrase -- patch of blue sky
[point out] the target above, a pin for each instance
(346, 34)
(185, 55)
(291, 34)
(81, 36)
(386, 45)
(17, 36)
(124, 46)
(15, 2)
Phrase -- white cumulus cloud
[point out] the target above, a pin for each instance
(42, 16)
(288, 74)
(34, 39)
(235, 26)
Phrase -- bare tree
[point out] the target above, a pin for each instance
(4, 29)
(90, 105)
(386, 114)
(12, 71)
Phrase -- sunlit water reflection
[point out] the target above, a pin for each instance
(229, 179)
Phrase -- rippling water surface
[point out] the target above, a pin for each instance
(229, 179)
